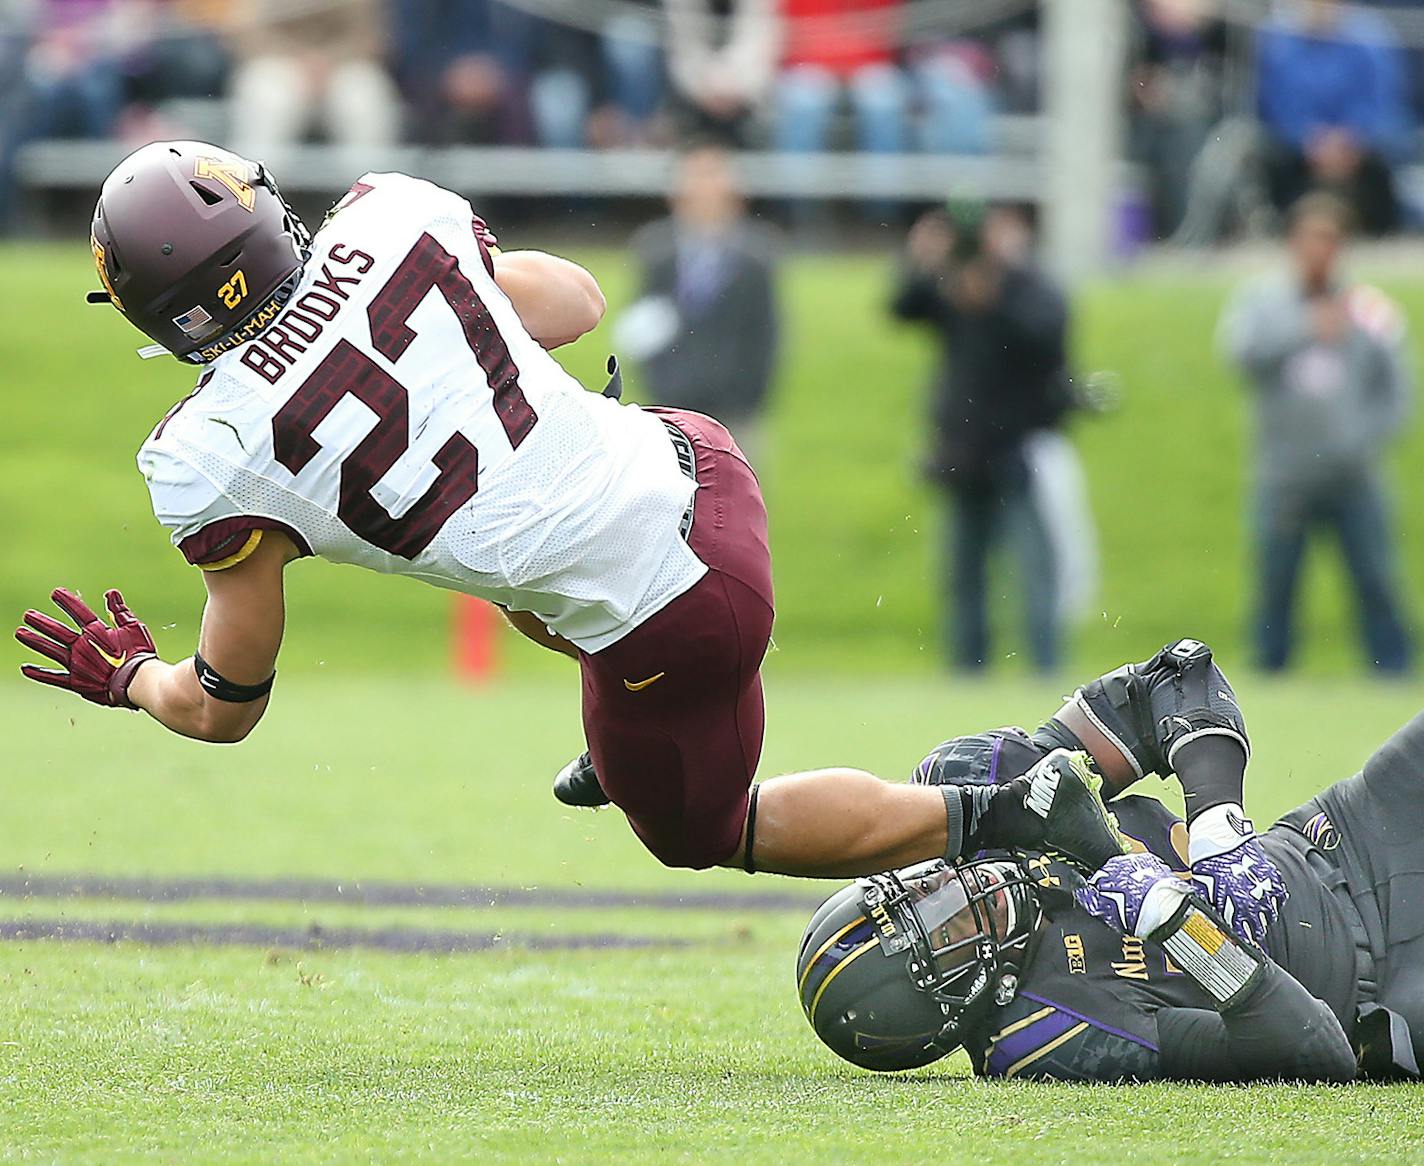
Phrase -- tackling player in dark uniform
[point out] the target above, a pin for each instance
(1156, 966)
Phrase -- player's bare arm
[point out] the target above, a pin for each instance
(214, 696)
(557, 300)
(220, 693)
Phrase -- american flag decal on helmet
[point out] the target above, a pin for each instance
(194, 322)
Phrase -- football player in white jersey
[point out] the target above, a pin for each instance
(382, 394)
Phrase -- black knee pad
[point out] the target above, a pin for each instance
(1150, 710)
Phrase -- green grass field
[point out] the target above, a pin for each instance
(692, 1049)
(290, 1033)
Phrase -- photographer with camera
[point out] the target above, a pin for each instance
(1001, 381)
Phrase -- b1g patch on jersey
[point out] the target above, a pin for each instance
(1077, 960)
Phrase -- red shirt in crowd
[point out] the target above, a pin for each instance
(841, 36)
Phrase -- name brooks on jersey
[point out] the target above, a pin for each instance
(304, 321)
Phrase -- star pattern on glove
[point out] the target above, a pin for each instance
(1245, 886)
(1117, 892)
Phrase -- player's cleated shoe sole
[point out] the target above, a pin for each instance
(1076, 823)
(577, 784)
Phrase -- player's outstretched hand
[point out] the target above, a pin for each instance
(1134, 894)
(1234, 873)
(96, 661)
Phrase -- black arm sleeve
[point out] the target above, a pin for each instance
(1278, 1031)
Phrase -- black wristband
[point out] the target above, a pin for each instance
(748, 858)
(219, 687)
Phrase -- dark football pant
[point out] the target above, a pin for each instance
(1372, 827)
(673, 712)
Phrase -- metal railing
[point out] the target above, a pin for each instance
(1012, 173)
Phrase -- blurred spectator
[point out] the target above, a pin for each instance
(1002, 380)
(1326, 360)
(585, 87)
(66, 78)
(1014, 42)
(301, 65)
(631, 44)
(455, 68)
(182, 51)
(721, 55)
(707, 323)
(952, 86)
(563, 85)
(835, 48)
(1176, 98)
(1333, 101)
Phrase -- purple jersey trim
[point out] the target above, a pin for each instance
(1137, 1040)
(1024, 1043)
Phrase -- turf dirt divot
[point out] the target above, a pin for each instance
(387, 894)
(392, 939)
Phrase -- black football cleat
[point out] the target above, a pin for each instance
(577, 784)
(1063, 791)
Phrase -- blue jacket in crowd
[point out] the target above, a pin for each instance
(1352, 78)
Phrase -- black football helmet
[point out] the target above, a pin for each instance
(893, 967)
(196, 246)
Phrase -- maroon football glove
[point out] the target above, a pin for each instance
(97, 661)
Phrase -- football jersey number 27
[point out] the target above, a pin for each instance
(347, 371)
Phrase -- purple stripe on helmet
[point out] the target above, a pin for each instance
(833, 955)
(1137, 1040)
(994, 760)
(1027, 1041)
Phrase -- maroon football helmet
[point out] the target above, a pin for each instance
(196, 247)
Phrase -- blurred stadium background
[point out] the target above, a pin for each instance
(560, 121)
(1062, 105)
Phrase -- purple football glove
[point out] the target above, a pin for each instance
(1233, 873)
(1134, 894)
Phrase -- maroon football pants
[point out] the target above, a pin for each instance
(673, 712)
